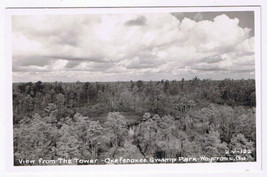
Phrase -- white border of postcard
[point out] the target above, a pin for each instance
(207, 169)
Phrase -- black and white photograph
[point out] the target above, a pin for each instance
(130, 88)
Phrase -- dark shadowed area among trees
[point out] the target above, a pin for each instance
(135, 119)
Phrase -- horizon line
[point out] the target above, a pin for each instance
(135, 80)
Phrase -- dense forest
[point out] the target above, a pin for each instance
(135, 119)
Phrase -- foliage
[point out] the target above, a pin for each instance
(159, 119)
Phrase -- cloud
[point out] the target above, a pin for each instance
(198, 16)
(144, 62)
(30, 60)
(117, 46)
(213, 59)
(139, 21)
(72, 64)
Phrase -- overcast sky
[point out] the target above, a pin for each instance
(123, 47)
